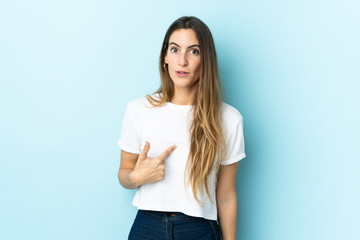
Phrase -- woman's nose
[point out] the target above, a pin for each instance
(183, 59)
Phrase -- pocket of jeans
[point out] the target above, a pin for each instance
(215, 227)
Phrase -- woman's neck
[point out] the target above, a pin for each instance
(184, 96)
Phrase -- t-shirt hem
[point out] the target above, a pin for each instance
(127, 149)
(169, 209)
(233, 160)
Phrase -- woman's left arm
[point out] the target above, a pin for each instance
(226, 200)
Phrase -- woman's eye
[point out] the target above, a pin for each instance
(173, 50)
(194, 52)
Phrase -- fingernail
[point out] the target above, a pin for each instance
(175, 147)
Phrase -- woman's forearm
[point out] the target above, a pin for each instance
(227, 211)
(126, 180)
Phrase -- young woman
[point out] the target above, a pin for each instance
(180, 146)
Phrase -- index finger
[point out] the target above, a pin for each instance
(167, 152)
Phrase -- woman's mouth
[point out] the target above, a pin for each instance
(182, 73)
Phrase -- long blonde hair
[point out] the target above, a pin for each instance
(206, 132)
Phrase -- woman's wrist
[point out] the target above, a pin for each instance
(133, 178)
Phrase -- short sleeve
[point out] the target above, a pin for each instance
(129, 138)
(235, 145)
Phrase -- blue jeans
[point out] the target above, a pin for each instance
(155, 225)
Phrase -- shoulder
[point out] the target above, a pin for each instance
(231, 118)
(141, 105)
(141, 102)
(229, 113)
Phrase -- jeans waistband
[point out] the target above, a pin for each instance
(169, 215)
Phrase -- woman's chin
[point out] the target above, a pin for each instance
(184, 83)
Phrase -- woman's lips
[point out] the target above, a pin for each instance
(182, 73)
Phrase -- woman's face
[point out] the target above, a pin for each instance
(183, 58)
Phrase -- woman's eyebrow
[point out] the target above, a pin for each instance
(195, 45)
(174, 44)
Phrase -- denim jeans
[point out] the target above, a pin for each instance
(155, 225)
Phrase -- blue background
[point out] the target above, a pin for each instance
(68, 69)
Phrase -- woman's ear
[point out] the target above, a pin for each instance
(165, 59)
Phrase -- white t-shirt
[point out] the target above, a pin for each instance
(163, 127)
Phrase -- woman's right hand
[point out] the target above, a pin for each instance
(148, 170)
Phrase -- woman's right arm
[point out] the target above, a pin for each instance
(138, 169)
(127, 164)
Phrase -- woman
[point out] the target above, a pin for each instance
(181, 145)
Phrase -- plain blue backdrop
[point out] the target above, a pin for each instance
(68, 69)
